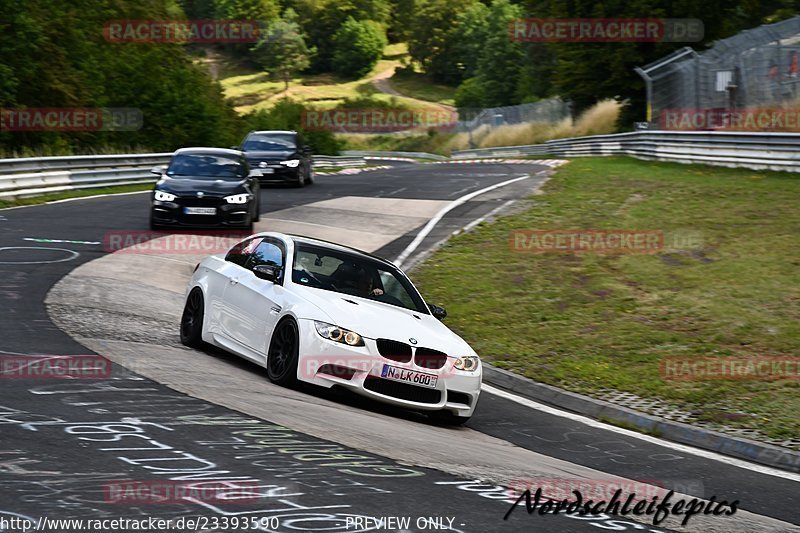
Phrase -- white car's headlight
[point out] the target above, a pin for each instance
(291, 163)
(467, 363)
(237, 199)
(162, 196)
(337, 334)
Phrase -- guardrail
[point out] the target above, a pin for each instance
(756, 150)
(33, 176)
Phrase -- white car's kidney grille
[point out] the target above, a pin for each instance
(394, 350)
(402, 391)
(429, 358)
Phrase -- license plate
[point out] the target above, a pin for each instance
(267, 171)
(200, 210)
(409, 376)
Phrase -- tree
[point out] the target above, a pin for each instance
(500, 57)
(323, 18)
(282, 49)
(357, 47)
(434, 36)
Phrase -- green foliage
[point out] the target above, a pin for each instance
(470, 94)
(321, 20)
(70, 64)
(434, 38)
(288, 115)
(282, 49)
(358, 45)
(498, 66)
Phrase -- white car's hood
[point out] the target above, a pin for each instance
(375, 320)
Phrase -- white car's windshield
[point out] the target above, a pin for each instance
(355, 275)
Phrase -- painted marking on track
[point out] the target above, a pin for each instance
(73, 255)
(33, 239)
(449, 207)
(705, 454)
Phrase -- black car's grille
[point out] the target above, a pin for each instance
(394, 350)
(402, 391)
(429, 358)
(194, 201)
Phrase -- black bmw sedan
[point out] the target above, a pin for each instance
(204, 187)
(279, 156)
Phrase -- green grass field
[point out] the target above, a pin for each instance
(589, 322)
(420, 86)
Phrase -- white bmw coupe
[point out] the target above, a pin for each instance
(327, 314)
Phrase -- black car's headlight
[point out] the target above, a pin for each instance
(163, 196)
(291, 163)
(238, 199)
(337, 334)
(467, 363)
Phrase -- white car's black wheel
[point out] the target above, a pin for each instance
(283, 353)
(192, 320)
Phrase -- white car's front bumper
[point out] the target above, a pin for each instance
(327, 363)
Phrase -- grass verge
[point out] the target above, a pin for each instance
(589, 322)
(35, 200)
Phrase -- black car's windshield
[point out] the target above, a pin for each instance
(356, 275)
(270, 142)
(205, 166)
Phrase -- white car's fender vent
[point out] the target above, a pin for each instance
(429, 358)
(394, 350)
(402, 391)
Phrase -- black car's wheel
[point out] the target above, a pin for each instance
(192, 320)
(153, 225)
(448, 418)
(301, 179)
(309, 176)
(283, 353)
(257, 208)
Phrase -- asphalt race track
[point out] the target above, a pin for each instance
(317, 460)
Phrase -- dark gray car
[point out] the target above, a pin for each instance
(279, 156)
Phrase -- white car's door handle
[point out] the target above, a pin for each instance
(234, 281)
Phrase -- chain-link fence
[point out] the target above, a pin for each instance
(550, 110)
(757, 68)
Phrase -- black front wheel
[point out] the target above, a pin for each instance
(257, 208)
(301, 179)
(192, 320)
(283, 353)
